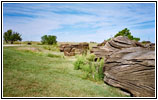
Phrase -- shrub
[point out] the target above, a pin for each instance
(100, 70)
(29, 43)
(93, 70)
(91, 57)
(80, 62)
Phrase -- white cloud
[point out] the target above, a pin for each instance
(106, 19)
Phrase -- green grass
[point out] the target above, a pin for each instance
(27, 74)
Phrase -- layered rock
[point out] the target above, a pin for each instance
(132, 69)
(113, 45)
(129, 65)
(73, 49)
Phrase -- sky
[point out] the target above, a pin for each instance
(79, 22)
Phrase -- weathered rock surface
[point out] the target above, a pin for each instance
(132, 69)
(73, 49)
(129, 65)
(113, 45)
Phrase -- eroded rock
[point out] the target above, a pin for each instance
(132, 69)
(73, 49)
(113, 45)
(129, 65)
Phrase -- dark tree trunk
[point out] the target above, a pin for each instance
(11, 42)
(6, 41)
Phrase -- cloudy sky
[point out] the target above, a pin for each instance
(78, 22)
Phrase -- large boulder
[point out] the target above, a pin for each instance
(73, 49)
(132, 69)
(113, 45)
(129, 65)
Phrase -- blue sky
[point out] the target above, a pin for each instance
(79, 22)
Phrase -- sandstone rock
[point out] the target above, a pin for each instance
(132, 69)
(73, 49)
(129, 65)
(113, 45)
(62, 46)
(150, 46)
(102, 44)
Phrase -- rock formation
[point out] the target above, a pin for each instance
(132, 69)
(114, 45)
(73, 49)
(129, 65)
(102, 44)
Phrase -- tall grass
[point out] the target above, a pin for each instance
(93, 69)
(28, 74)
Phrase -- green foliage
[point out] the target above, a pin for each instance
(90, 57)
(126, 32)
(48, 39)
(80, 61)
(146, 42)
(11, 36)
(93, 70)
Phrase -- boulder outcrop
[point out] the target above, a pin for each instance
(132, 69)
(113, 45)
(129, 65)
(73, 49)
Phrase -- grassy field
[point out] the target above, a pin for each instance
(34, 71)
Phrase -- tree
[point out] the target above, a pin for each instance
(126, 32)
(15, 37)
(11, 36)
(48, 39)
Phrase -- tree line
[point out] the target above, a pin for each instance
(11, 36)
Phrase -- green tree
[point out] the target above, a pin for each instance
(48, 39)
(126, 32)
(11, 36)
(15, 37)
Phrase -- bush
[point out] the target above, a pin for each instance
(93, 70)
(80, 62)
(91, 57)
(29, 43)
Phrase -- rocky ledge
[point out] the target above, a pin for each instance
(129, 65)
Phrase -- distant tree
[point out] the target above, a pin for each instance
(48, 39)
(7, 36)
(126, 32)
(15, 37)
(11, 36)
